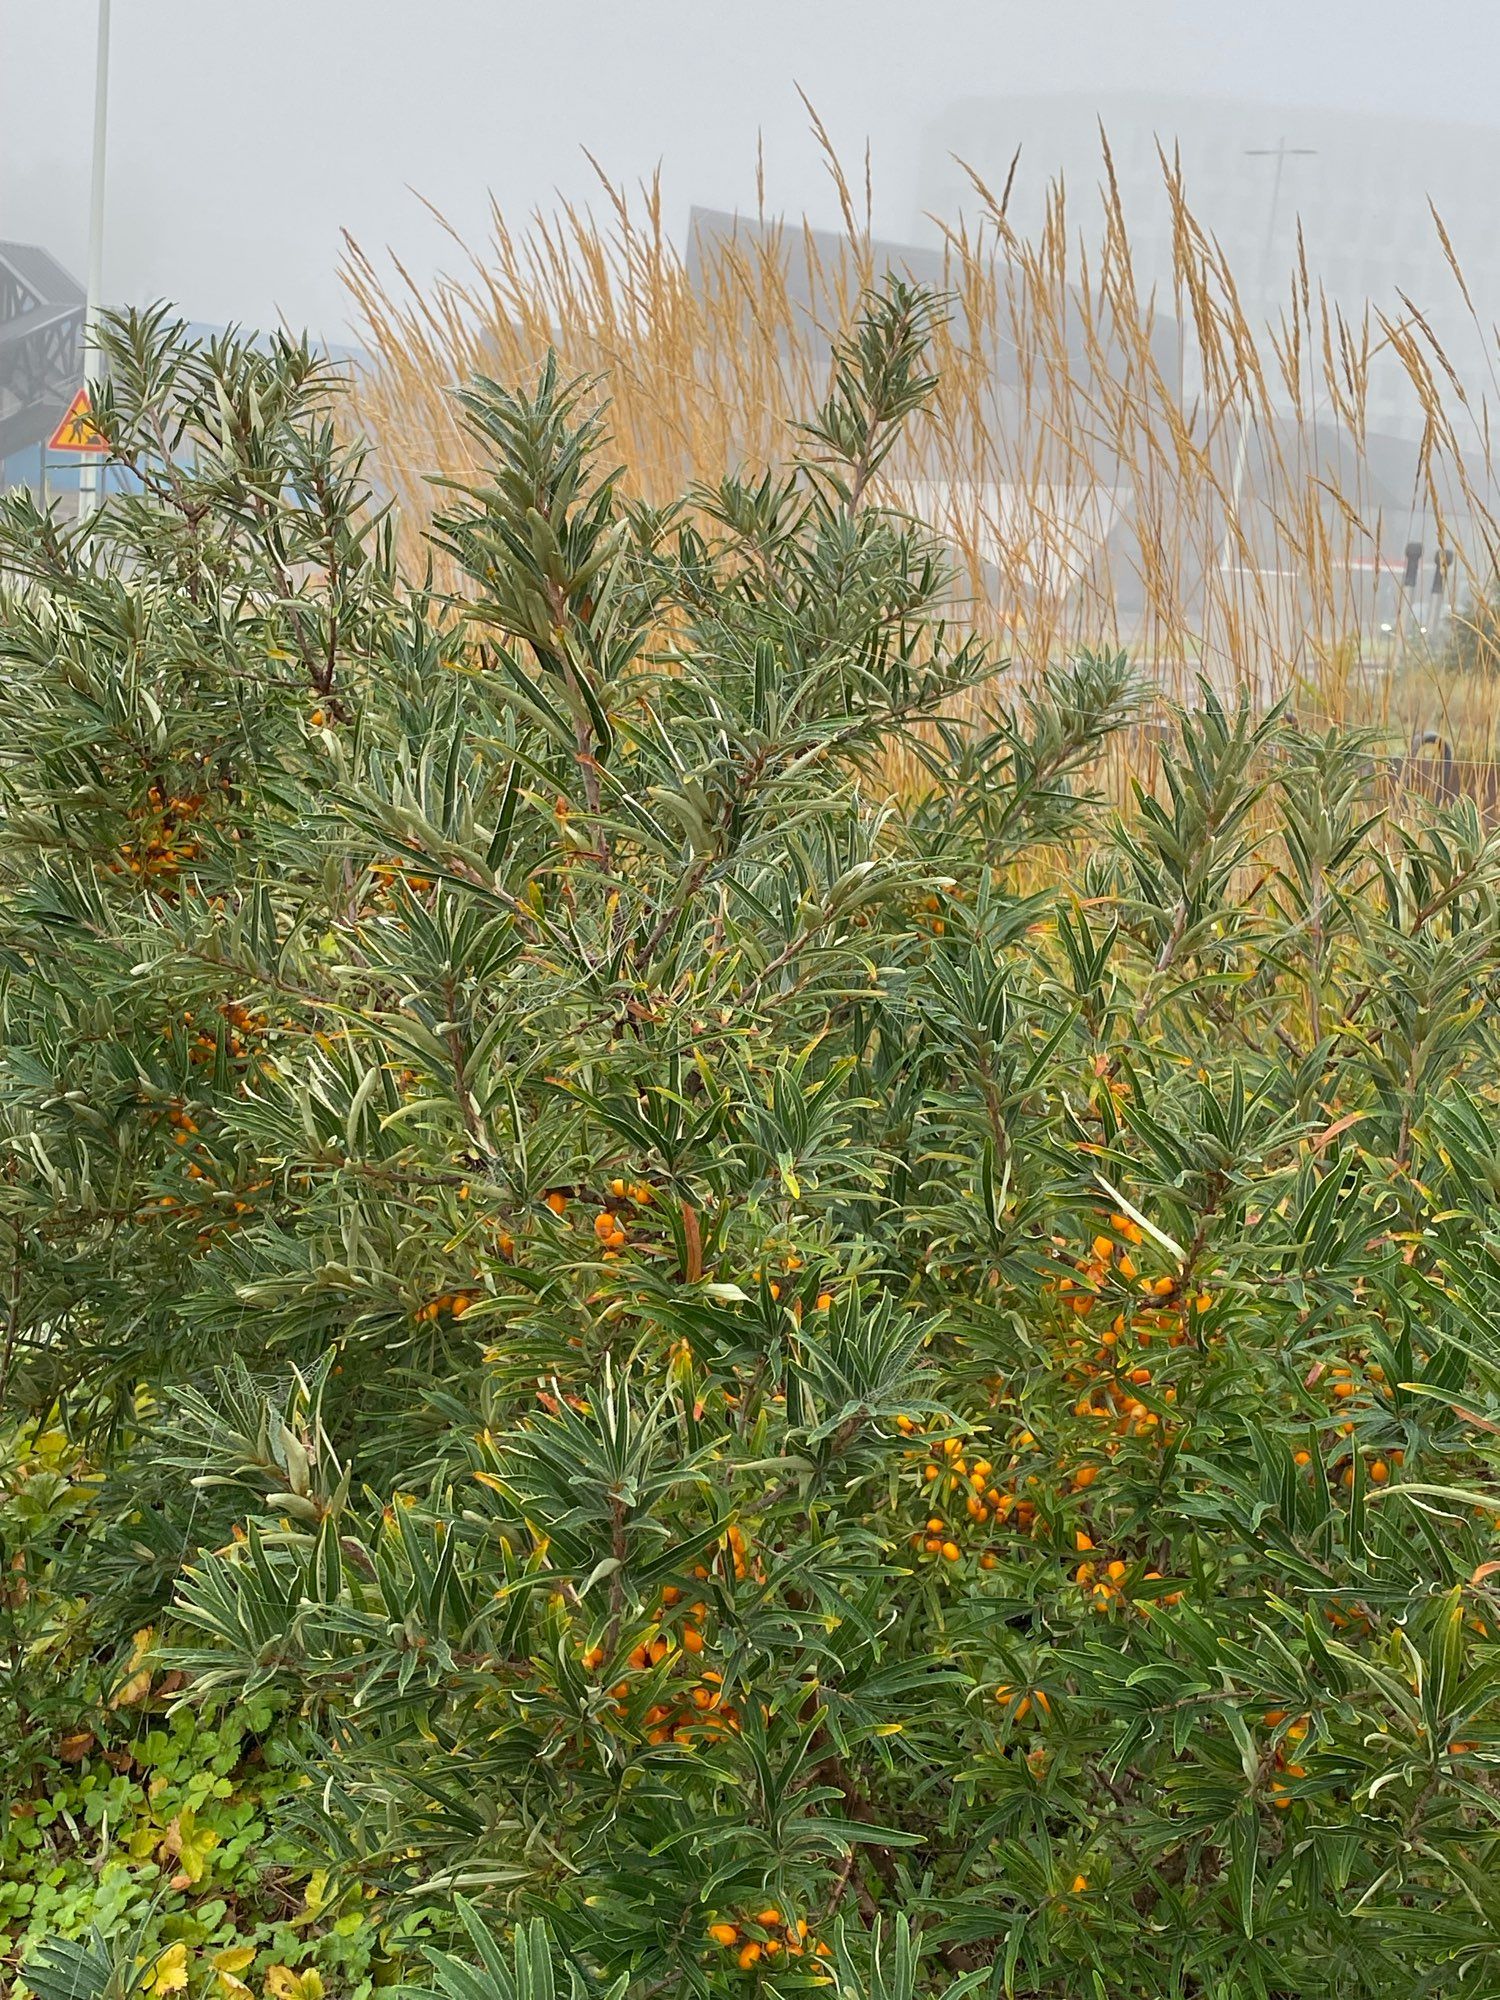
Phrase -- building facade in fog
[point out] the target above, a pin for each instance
(1361, 195)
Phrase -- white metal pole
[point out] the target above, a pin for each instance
(89, 477)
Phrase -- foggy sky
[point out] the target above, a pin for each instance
(245, 134)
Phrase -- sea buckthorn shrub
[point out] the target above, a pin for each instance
(748, 1357)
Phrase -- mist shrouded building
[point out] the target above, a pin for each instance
(1071, 491)
(1360, 185)
(41, 353)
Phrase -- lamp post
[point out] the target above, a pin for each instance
(90, 477)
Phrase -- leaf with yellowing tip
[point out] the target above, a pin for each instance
(1168, 1243)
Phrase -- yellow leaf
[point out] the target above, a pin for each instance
(236, 1959)
(170, 1972)
(284, 1984)
(130, 1693)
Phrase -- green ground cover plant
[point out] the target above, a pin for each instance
(736, 1382)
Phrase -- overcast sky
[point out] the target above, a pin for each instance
(244, 134)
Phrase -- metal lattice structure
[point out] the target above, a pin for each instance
(41, 345)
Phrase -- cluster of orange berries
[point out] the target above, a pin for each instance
(243, 1030)
(765, 1936)
(1107, 1583)
(185, 1131)
(1343, 1388)
(387, 873)
(1106, 1262)
(160, 852)
(611, 1232)
(1096, 1266)
(791, 1265)
(1110, 1400)
(1109, 1385)
(611, 1223)
(700, 1709)
(739, 1554)
(1295, 1731)
(930, 907)
(455, 1304)
(973, 1499)
(1020, 1701)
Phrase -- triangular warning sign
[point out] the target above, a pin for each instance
(77, 431)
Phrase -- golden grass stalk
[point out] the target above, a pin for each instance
(1111, 466)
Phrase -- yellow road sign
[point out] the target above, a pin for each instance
(77, 431)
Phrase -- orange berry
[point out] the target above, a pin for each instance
(558, 1203)
(749, 1955)
(1080, 1883)
(951, 1552)
(692, 1639)
(724, 1934)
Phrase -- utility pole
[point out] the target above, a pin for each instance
(1281, 152)
(90, 476)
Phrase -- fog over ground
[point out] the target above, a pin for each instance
(245, 134)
